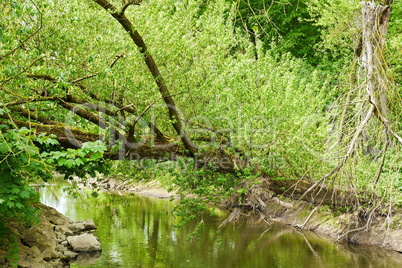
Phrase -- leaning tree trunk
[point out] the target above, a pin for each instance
(377, 83)
(375, 26)
(174, 114)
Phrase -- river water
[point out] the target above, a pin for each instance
(138, 231)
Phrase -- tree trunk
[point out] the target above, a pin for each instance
(153, 68)
(375, 26)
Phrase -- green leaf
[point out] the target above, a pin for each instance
(79, 161)
(61, 161)
(45, 154)
(81, 153)
(24, 131)
(69, 163)
(10, 204)
(19, 205)
(25, 194)
(15, 190)
(96, 156)
(4, 148)
(53, 141)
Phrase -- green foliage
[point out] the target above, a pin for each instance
(341, 24)
(285, 26)
(86, 160)
(19, 159)
(394, 42)
(275, 113)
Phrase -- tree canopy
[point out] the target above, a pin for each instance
(269, 88)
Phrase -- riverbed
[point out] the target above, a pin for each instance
(139, 231)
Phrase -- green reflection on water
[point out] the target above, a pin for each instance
(137, 231)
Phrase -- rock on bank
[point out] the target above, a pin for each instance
(54, 242)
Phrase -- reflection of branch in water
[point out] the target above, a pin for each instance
(269, 228)
(310, 247)
(234, 216)
(275, 235)
(262, 217)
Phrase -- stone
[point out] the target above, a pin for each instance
(24, 252)
(89, 224)
(87, 258)
(49, 254)
(53, 216)
(84, 243)
(35, 251)
(60, 237)
(63, 229)
(41, 236)
(25, 261)
(76, 227)
(46, 255)
(37, 265)
(60, 248)
(70, 254)
(56, 264)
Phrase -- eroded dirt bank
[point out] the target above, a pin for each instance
(358, 225)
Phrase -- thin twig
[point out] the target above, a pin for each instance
(379, 171)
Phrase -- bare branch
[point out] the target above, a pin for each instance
(42, 77)
(116, 59)
(84, 77)
(128, 3)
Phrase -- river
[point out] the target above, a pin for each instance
(138, 231)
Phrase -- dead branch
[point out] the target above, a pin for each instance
(307, 220)
(232, 217)
(116, 59)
